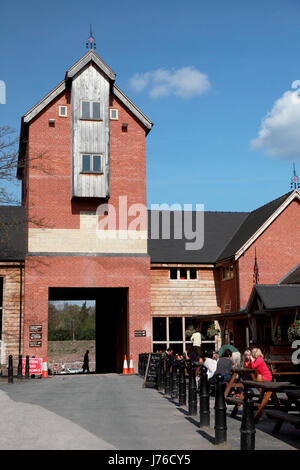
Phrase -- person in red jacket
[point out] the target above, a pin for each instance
(257, 362)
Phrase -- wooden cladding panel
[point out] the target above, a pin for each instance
(188, 297)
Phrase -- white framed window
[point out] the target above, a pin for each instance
(114, 114)
(62, 111)
(183, 274)
(91, 110)
(91, 163)
(227, 272)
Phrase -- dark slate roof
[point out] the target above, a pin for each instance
(219, 228)
(292, 277)
(12, 233)
(278, 296)
(250, 225)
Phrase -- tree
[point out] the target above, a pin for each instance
(8, 163)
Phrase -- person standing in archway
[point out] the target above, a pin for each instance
(85, 365)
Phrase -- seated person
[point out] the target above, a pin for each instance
(247, 359)
(257, 362)
(224, 366)
(210, 364)
(236, 359)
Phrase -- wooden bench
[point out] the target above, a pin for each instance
(282, 416)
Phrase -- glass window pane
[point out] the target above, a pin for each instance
(160, 347)
(177, 348)
(175, 328)
(86, 163)
(190, 327)
(85, 110)
(193, 273)
(159, 330)
(96, 110)
(96, 163)
(173, 273)
(183, 273)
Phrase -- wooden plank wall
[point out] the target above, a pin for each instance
(10, 314)
(89, 136)
(184, 297)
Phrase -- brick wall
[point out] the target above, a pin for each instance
(277, 251)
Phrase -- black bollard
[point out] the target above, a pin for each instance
(248, 426)
(182, 383)
(27, 368)
(204, 398)
(175, 384)
(167, 376)
(20, 367)
(220, 412)
(192, 390)
(10, 369)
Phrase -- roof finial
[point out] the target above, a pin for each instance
(294, 179)
(255, 270)
(91, 41)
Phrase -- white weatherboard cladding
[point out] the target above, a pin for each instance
(90, 137)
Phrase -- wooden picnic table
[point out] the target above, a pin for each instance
(238, 373)
(268, 392)
(281, 367)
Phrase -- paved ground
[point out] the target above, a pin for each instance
(109, 412)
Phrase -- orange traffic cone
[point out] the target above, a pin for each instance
(44, 368)
(125, 365)
(131, 369)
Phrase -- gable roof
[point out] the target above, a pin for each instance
(274, 296)
(12, 233)
(256, 222)
(292, 277)
(90, 56)
(219, 228)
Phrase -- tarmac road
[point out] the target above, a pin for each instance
(92, 412)
(111, 411)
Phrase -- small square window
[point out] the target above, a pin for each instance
(62, 111)
(114, 114)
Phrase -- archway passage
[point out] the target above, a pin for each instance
(111, 322)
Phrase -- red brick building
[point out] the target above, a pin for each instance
(82, 146)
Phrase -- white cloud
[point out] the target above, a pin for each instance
(279, 134)
(185, 82)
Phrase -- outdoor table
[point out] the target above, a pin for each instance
(269, 392)
(238, 373)
(283, 367)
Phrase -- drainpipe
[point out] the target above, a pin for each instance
(21, 306)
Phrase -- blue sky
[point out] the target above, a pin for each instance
(242, 58)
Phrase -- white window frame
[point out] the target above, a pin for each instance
(187, 274)
(111, 116)
(59, 111)
(91, 110)
(91, 163)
